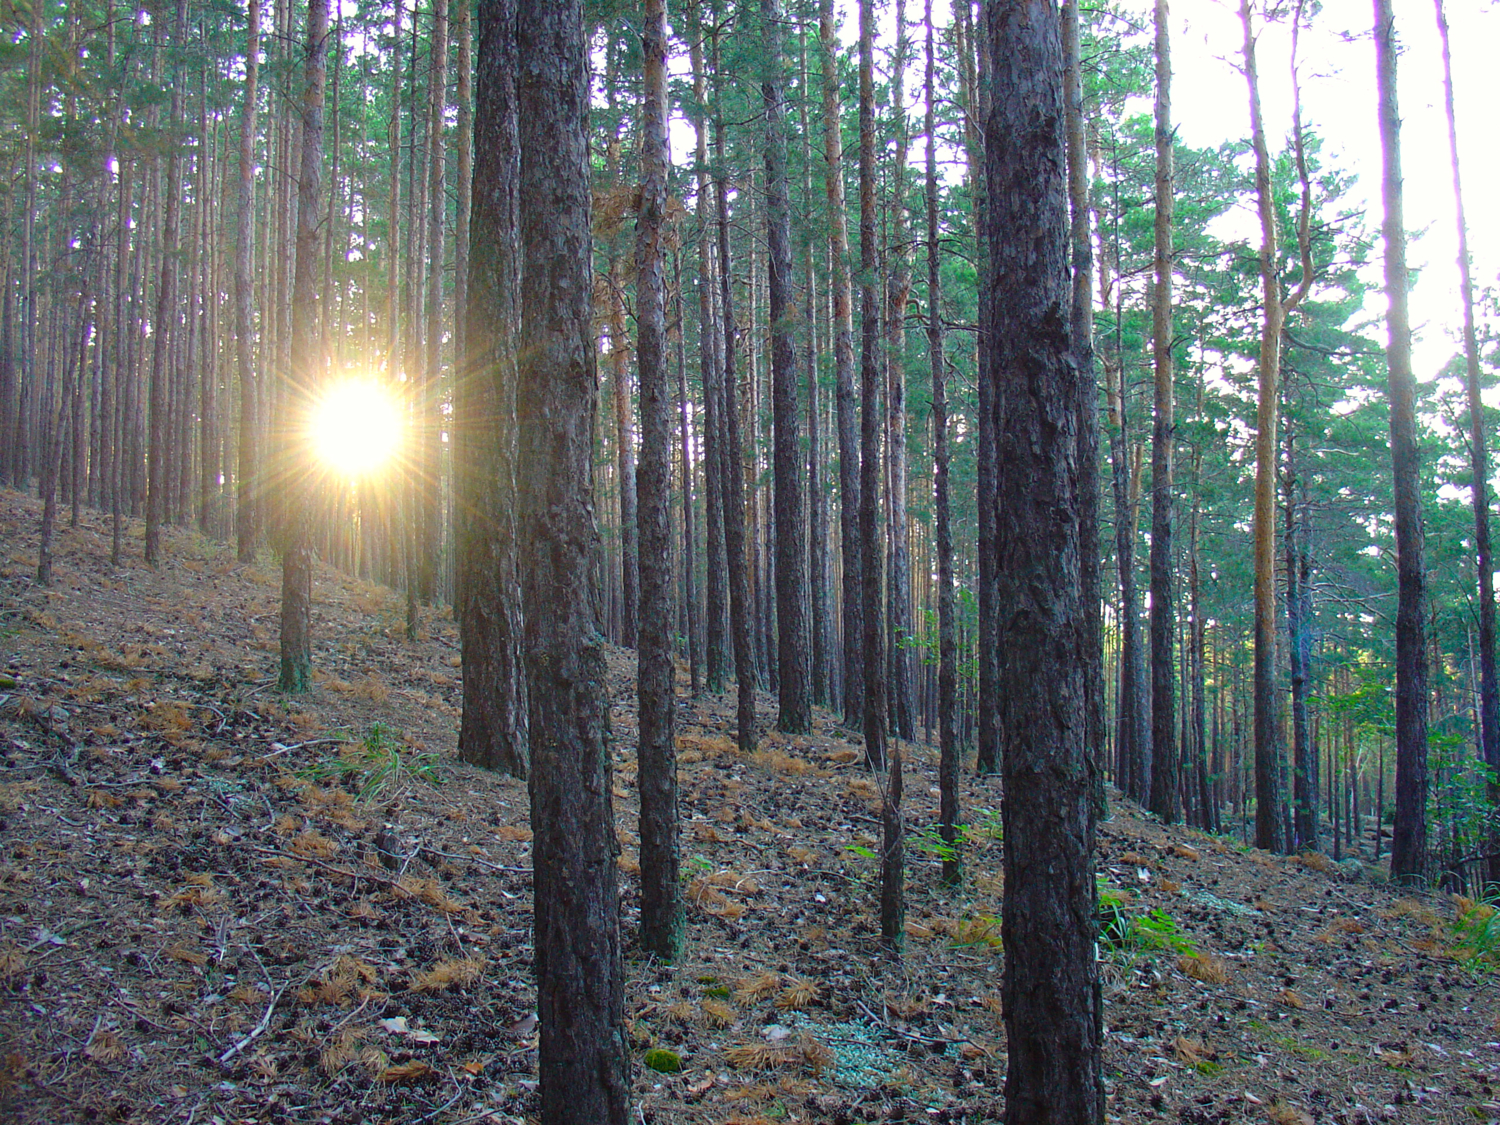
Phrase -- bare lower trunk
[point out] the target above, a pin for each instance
(583, 1058)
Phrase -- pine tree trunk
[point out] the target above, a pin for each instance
(1409, 838)
(662, 921)
(740, 608)
(493, 730)
(1489, 681)
(1164, 773)
(793, 636)
(898, 271)
(583, 1059)
(843, 365)
(303, 376)
(430, 516)
(1051, 988)
(872, 376)
(1081, 318)
(950, 753)
(1269, 797)
(716, 594)
(158, 480)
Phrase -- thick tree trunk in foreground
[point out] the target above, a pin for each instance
(1051, 987)
(294, 472)
(1409, 837)
(494, 724)
(583, 1060)
(661, 888)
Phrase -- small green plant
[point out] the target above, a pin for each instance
(381, 764)
(929, 842)
(1156, 929)
(1120, 931)
(1478, 931)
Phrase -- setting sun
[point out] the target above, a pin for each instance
(357, 426)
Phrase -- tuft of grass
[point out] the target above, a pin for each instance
(381, 764)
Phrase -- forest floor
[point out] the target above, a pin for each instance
(219, 905)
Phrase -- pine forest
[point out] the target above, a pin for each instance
(739, 561)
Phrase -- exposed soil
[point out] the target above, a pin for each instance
(221, 905)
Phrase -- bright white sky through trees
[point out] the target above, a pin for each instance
(1338, 71)
(1210, 106)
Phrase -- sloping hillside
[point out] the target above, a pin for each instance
(217, 904)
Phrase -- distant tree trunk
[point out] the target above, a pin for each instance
(692, 621)
(430, 518)
(158, 480)
(1409, 838)
(1051, 988)
(302, 378)
(1489, 681)
(583, 1061)
(1269, 798)
(987, 759)
(824, 680)
(662, 921)
(716, 593)
(843, 366)
(872, 376)
(950, 754)
(898, 273)
(1299, 651)
(1163, 796)
(247, 511)
(1081, 320)
(793, 632)
(493, 729)
(740, 609)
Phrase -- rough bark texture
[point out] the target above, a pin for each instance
(793, 631)
(661, 887)
(843, 368)
(1051, 988)
(1409, 837)
(293, 470)
(247, 528)
(583, 1061)
(1489, 683)
(1269, 796)
(493, 730)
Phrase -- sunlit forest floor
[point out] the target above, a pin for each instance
(221, 905)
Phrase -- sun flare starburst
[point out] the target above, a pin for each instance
(356, 427)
